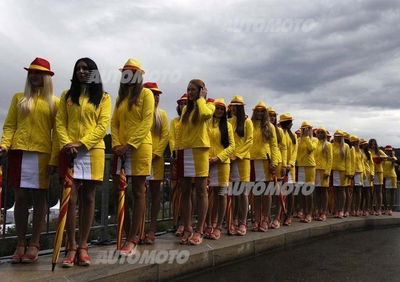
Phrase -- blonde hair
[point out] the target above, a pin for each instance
(157, 121)
(26, 103)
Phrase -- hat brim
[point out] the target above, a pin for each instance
(156, 90)
(131, 68)
(45, 71)
(260, 107)
(236, 104)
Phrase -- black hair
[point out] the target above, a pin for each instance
(95, 85)
(223, 128)
(240, 119)
(285, 126)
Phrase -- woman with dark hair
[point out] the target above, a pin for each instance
(264, 160)
(286, 122)
(221, 148)
(366, 196)
(358, 170)
(193, 145)
(240, 165)
(82, 122)
(131, 125)
(176, 190)
(340, 171)
(30, 140)
(323, 159)
(350, 177)
(159, 135)
(280, 170)
(390, 178)
(378, 156)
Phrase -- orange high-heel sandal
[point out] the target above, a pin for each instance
(83, 260)
(196, 239)
(26, 258)
(149, 239)
(128, 252)
(216, 234)
(187, 235)
(69, 261)
(16, 258)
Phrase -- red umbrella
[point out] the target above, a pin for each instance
(121, 203)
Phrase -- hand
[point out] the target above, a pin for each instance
(50, 170)
(121, 149)
(3, 150)
(272, 167)
(154, 156)
(203, 92)
(214, 160)
(233, 158)
(284, 170)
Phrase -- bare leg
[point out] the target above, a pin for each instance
(71, 221)
(201, 188)
(155, 204)
(39, 213)
(378, 193)
(21, 218)
(86, 214)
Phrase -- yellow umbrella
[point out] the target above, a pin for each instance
(62, 218)
(121, 203)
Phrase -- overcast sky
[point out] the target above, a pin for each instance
(332, 62)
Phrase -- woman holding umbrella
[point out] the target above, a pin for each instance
(131, 139)
(82, 122)
(159, 135)
(30, 139)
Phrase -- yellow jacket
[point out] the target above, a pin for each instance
(216, 148)
(368, 165)
(323, 159)
(242, 144)
(160, 141)
(352, 160)
(378, 165)
(358, 161)
(173, 128)
(194, 135)
(282, 152)
(340, 162)
(83, 122)
(32, 132)
(133, 126)
(291, 149)
(261, 149)
(306, 151)
(389, 168)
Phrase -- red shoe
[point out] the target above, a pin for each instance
(69, 261)
(275, 224)
(179, 231)
(242, 230)
(16, 258)
(83, 260)
(149, 239)
(232, 230)
(264, 226)
(128, 252)
(255, 226)
(216, 234)
(196, 239)
(187, 235)
(26, 258)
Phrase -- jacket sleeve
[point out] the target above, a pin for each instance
(10, 123)
(172, 135)
(311, 145)
(353, 161)
(206, 110)
(55, 142)
(283, 147)
(115, 128)
(348, 166)
(241, 152)
(159, 151)
(94, 136)
(273, 144)
(228, 151)
(61, 122)
(293, 155)
(144, 126)
(329, 159)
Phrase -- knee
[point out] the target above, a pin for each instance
(21, 197)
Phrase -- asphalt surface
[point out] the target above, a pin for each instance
(372, 255)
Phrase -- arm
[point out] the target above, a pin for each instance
(144, 126)
(228, 151)
(172, 136)
(249, 139)
(347, 161)
(55, 142)
(293, 157)
(94, 136)
(159, 151)
(206, 110)
(273, 144)
(61, 122)
(329, 159)
(10, 123)
(115, 128)
(283, 147)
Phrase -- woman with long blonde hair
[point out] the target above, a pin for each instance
(378, 156)
(31, 142)
(264, 156)
(323, 159)
(359, 170)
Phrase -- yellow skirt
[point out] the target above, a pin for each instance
(193, 162)
(320, 179)
(157, 169)
(306, 174)
(240, 170)
(339, 178)
(390, 182)
(378, 179)
(137, 161)
(219, 175)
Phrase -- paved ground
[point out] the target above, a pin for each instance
(372, 255)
